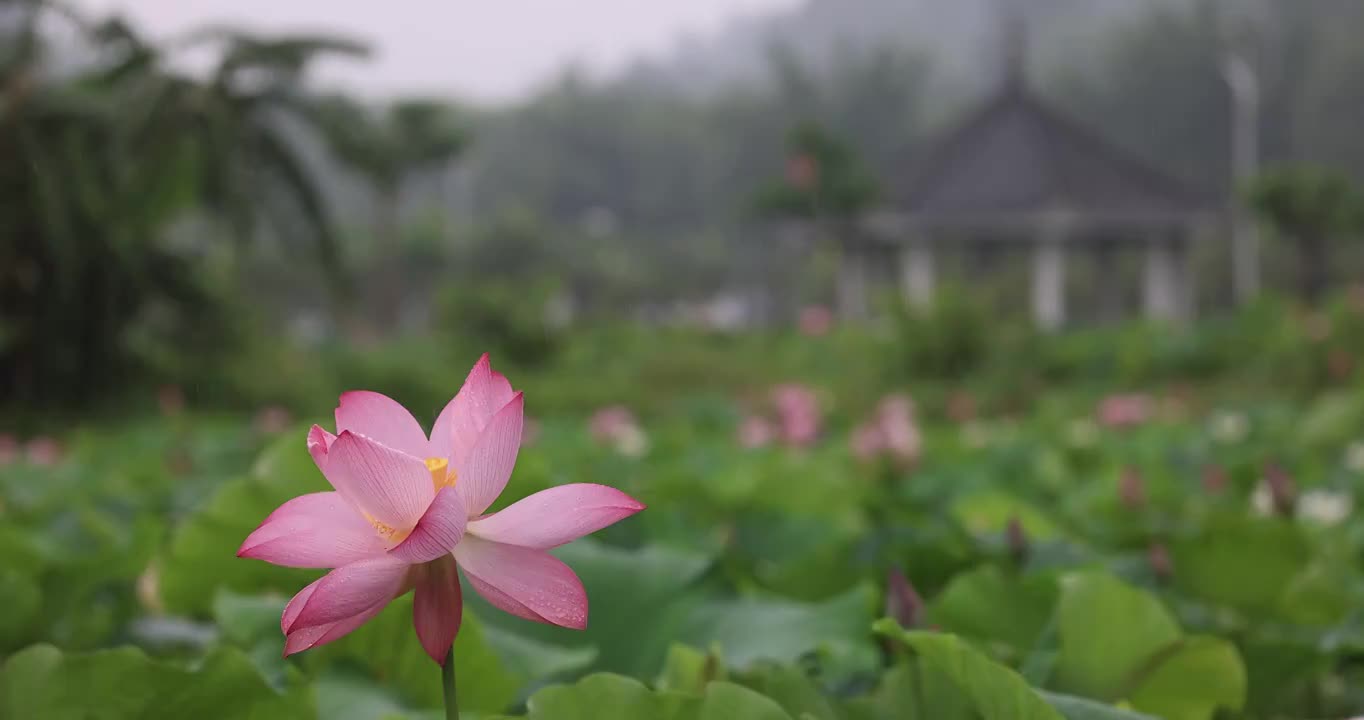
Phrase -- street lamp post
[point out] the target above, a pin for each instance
(1244, 84)
(1242, 28)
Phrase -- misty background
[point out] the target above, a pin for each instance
(267, 178)
(1034, 326)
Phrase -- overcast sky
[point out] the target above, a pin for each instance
(488, 50)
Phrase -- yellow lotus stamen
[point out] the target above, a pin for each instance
(442, 475)
(387, 532)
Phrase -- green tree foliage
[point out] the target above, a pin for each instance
(824, 177)
(1310, 206)
(97, 162)
(408, 139)
(579, 148)
(669, 162)
(409, 136)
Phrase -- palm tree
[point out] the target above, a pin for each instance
(96, 160)
(245, 125)
(388, 147)
(75, 262)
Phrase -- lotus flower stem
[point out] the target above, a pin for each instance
(917, 681)
(447, 684)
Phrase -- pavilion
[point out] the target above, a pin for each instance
(1017, 173)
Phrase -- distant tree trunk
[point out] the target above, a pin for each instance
(1314, 270)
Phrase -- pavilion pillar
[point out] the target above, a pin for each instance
(917, 273)
(1049, 277)
(1165, 287)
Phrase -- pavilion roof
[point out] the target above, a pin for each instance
(1015, 155)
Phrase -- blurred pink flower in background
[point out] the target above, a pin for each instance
(616, 426)
(901, 433)
(797, 414)
(794, 419)
(608, 422)
(866, 442)
(409, 514)
(891, 431)
(171, 400)
(9, 449)
(1125, 410)
(43, 450)
(271, 420)
(816, 320)
(756, 431)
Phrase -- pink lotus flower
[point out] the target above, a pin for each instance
(1125, 410)
(756, 431)
(408, 512)
(609, 422)
(896, 417)
(816, 320)
(798, 413)
(891, 431)
(44, 451)
(616, 426)
(9, 449)
(866, 442)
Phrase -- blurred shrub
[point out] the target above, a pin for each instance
(512, 319)
(947, 340)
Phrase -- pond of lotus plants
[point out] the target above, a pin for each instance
(780, 558)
